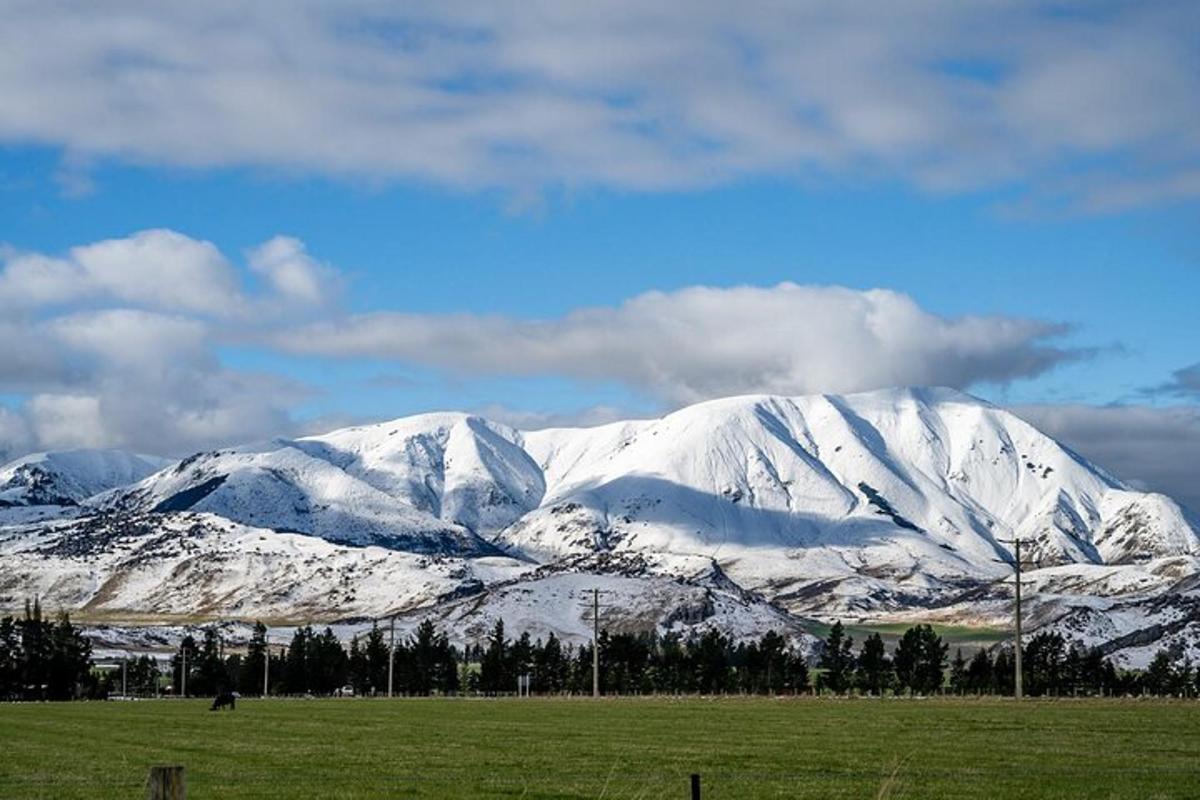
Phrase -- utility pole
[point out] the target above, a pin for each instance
(595, 642)
(391, 656)
(1017, 651)
(183, 673)
(266, 666)
(124, 685)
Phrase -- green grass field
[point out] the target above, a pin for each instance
(620, 748)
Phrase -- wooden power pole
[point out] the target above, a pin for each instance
(266, 666)
(1018, 686)
(595, 642)
(391, 656)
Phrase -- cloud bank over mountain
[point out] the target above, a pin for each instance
(125, 343)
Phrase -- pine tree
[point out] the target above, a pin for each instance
(797, 674)
(494, 666)
(250, 670)
(710, 658)
(10, 660)
(327, 663)
(1159, 677)
(209, 676)
(1044, 660)
(772, 649)
(184, 656)
(874, 673)
(837, 659)
(70, 662)
(979, 673)
(550, 666)
(446, 679)
(357, 668)
(958, 673)
(375, 654)
(919, 660)
(296, 679)
(423, 658)
(1003, 673)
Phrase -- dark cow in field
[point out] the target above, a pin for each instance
(224, 699)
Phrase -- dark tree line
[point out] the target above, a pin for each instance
(1051, 668)
(639, 663)
(915, 667)
(43, 659)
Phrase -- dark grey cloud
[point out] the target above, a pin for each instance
(1100, 105)
(1184, 383)
(1153, 448)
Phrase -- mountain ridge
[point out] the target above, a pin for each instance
(874, 504)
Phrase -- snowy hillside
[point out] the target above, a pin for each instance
(426, 484)
(907, 495)
(70, 477)
(885, 505)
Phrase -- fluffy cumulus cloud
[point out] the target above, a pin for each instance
(115, 343)
(699, 343)
(166, 270)
(1151, 448)
(1096, 104)
(294, 275)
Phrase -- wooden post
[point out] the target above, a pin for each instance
(695, 786)
(166, 783)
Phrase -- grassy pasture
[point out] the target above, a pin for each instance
(614, 748)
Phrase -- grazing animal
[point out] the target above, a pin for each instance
(224, 699)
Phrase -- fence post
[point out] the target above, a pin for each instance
(695, 786)
(166, 783)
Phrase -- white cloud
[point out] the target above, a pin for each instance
(15, 436)
(115, 344)
(538, 420)
(166, 270)
(700, 342)
(162, 269)
(292, 272)
(132, 340)
(64, 421)
(632, 95)
(155, 268)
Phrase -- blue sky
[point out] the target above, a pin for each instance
(476, 205)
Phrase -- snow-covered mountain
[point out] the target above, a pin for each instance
(876, 505)
(69, 477)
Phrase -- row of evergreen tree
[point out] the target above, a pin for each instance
(650, 663)
(1050, 667)
(42, 659)
(638, 663)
